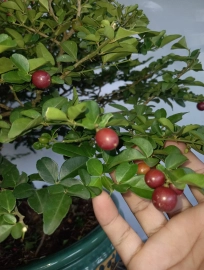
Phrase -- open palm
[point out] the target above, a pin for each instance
(174, 244)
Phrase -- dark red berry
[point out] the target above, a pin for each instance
(107, 139)
(143, 168)
(154, 178)
(41, 79)
(200, 106)
(164, 199)
(176, 190)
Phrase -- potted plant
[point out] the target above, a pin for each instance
(56, 57)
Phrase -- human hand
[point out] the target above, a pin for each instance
(174, 244)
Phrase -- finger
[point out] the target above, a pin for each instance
(150, 219)
(193, 163)
(123, 237)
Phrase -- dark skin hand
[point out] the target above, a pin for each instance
(174, 244)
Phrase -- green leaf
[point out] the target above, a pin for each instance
(144, 145)
(192, 179)
(126, 155)
(10, 5)
(38, 200)
(12, 77)
(47, 169)
(75, 110)
(94, 167)
(7, 200)
(92, 114)
(71, 150)
(54, 114)
(20, 62)
(55, 209)
(79, 191)
(176, 117)
(123, 33)
(174, 160)
(181, 44)
(190, 127)
(35, 63)
(9, 218)
(21, 125)
(84, 176)
(31, 113)
(6, 65)
(23, 190)
(65, 58)
(108, 32)
(125, 171)
(17, 230)
(70, 47)
(54, 189)
(160, 113)
(56, 102)
(167, 123)
(104, 120)
(5, 231)
(42, 52)
(168, 39)
(71, 166)
(44, 3)
(4, 124)
(140, 188)
(107, 183)
(9, 173)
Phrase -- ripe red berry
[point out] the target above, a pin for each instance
(41, 79)
(200, 106)
(143, 168)
(107, 139)
(164, 199)
(154, 178)
(176, 190)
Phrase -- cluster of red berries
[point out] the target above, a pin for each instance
(164, 198)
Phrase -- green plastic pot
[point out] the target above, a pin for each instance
(93, 252)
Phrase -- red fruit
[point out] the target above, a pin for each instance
(176, 190)
(164, 199)
(143, 168)
(200, 106)
(154, 178)
(41, 79)
(107, 139)
(137, 161)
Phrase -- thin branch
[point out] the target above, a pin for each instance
(78, 8)
(38, 97)
(51, 12)
(40, 245)
(5, 107)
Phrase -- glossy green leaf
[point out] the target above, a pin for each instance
(71, 166)
(17, 230)
(7, 200)
(192, 179)
(6, 65)
(174, 160)
(126, 155)
(23, 190)
(107, 183)
(21, 125)
(35, 63)
(176, 117)
(74, 111)
(168, 39)
(144, 145)
(94, 167)
(181, 44)
(9, 218)
(9, 173)
(125, 171)
(4, 124)
(84, 176)
(54, 189)
(139, 187)
(42, 52)
(56, 102)
(123, 33)
(5, 231)
(65, 58)
(160, 113)
(190, 127)
(108, 32)
(47, 169)
(70, 47)
(20, 61)
(167, 123)
(31, 113)
(10, 5)
(55, 209)
(44, 3)
(12, 77)
(38, 200)
(71, 150)
(55, 114)
(79, 191)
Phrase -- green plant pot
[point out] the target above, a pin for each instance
(94, 251)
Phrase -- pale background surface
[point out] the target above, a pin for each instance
(185, 17)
